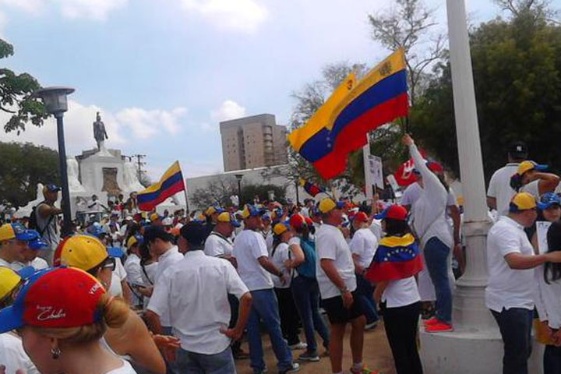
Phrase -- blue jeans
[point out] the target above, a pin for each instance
(552, 360)
(436, 257)
(515, 325)
(265, 307)
(365, 293)
(198, 363)
(306, 298)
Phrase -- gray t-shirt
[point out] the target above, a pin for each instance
(48, 225)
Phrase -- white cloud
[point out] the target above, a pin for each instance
(28, 6)
(89, 9)
(229, 109)
(144, 124)
(240, 15)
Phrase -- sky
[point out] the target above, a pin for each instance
(164, 73)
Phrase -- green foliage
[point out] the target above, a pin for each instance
(15, 91)
(517, 73)
(22, 167)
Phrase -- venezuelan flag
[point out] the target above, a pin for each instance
(170, 183)
(311, 188)
(395, 258)
(379, 98)
(311, 140)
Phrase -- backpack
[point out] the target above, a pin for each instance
(308, 267)
(32, 223)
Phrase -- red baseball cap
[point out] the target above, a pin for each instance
(55, 298)
(360, 217)
(395, 211)
(297, 221)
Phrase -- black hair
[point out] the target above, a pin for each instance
(304, 231)
(396, 227)
(551, 271)
(151, 233)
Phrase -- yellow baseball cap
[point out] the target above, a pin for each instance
(228, 218)
(280, 228)
(529, 165)
(84, 252)
(17, 231)
(250, 210)
(9, 280)
(522, 201)
(134, 240)
(327, 204)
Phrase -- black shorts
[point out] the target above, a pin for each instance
(337, 313)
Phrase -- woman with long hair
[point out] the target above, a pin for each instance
(433, 231)
(131, 339)
(281, 256)
(62, 314)
(394, 266)
(305, 289)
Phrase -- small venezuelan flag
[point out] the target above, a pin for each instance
(396, 258)
(170, 183)
(311, 188)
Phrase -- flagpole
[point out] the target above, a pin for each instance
(367, 175)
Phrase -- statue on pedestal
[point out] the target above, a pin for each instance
(99, 132)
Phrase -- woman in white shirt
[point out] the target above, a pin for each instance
(433, 231)
(394, 266)
(70, 311)
(281, 257)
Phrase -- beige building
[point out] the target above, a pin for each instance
(253, 142)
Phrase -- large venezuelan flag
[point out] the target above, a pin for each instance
(170, 183)
(379, 98)
(395, 258)
(311, 140)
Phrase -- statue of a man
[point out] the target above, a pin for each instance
(99, 131)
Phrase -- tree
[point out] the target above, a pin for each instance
(216, 192)
(15, 99)
(411, 26)
(22, 167)
(517, 74)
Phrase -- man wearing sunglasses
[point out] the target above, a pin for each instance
(14, 238)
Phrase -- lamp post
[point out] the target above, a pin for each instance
(56, 103)
(239, 179)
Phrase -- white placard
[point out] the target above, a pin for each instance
(375, 168)
(541, 231)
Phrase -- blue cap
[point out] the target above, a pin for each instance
(26, 272)
(549, 199)
(115, 252)
(52, 188)
(37, 244)
(17, 231)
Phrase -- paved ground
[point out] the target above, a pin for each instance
(377, 355)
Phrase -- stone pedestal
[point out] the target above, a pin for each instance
(95, 169)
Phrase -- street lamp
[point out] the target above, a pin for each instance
(56, 103)
(239, 179)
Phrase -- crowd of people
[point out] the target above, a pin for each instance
(133, 292)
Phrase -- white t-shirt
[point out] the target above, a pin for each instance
(167, 260)
(248, 247)
(429, 210)
(133, 269)
(376, 228)
(364, 244)
(499, 187)
(279, 255)
(12, 355)
(194, 293)
(125, 369)
(217, 245)
(401, 292)
(506, 287)
(37, 263)
(119, 275)
(331, 244)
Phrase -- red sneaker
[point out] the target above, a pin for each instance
(430, 321)
(439, 326)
